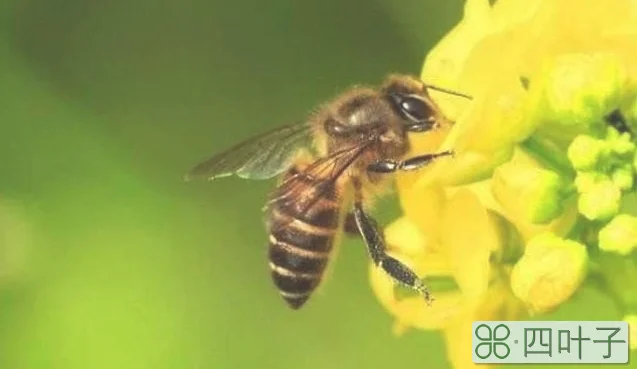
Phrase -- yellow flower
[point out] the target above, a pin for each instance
(407, 243)
(577, 90)
(620, 235)
(496, 304)
(491, 216)
(481, 294)
(533, 192)
(601, 201)
(549, 272)
(492, 48)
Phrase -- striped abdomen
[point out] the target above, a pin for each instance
(302, 229)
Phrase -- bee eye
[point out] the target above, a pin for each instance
(415, 109)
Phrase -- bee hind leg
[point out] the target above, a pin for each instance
(373, 237)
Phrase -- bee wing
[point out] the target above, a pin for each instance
(260, 157)
(323, 174)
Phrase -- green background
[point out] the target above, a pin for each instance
(110, 260)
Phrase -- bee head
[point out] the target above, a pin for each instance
(410, 99)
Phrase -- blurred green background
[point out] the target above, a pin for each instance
(109, 260)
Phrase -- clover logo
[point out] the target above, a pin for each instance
(493, 340)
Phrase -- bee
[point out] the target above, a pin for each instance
(330, 168)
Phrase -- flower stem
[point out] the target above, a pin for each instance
(548, 155)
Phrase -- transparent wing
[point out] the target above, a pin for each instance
(323, 174)
(260, 157)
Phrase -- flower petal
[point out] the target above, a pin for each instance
(407, 243)
(496, 304)
(414, 311)
(469, 235)
(424, 206)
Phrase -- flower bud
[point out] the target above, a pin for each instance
(581, 89)
(620, 144)
(534, 193)
(549, 272)
(584, 181)
(623, 177)
(585, 152)
(619, 235)
(600, 201)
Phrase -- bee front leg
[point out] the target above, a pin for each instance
(416, 162)
(375, 242)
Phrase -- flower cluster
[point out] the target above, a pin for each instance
(540, 197)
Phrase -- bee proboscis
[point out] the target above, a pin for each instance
(329, 168)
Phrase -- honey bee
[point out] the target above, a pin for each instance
(330, 168)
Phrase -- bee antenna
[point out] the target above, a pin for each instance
(450, 92)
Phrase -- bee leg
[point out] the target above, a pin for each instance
(416, 162)
(375, 242)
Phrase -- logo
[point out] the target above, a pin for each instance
(492, 341)
(563, 342)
